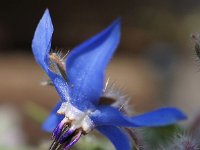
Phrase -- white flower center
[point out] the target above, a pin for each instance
(78, 119)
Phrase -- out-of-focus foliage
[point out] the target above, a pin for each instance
(155, 137)
(93, 142)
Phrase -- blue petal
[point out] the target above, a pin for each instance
(41, 45)
(119, 138)
(86, 64)
(159, 117)
(106, 115)
(53, 120)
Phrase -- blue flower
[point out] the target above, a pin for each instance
(79, 81)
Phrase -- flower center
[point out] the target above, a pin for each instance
(77, 118)
(70, 129)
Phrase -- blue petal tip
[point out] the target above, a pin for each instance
(116, 23)
(180, 114)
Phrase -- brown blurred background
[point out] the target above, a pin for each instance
(155, 62)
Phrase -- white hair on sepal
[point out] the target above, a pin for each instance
(182, 141)
(53, 66)
(121, 100)
(57, 62)
(64, 57)
(60, 53)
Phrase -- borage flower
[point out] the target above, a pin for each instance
(79, 81)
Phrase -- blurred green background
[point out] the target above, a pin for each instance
(155, 63)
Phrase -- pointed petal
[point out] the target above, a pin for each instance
(87, 62)
(41, 45)
(53, 120)
(107, 115)
(118, 138)
(159, 117)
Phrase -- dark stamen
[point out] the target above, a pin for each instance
(73, 140)
(54, 146)
(59, 129)
(64, 137)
